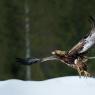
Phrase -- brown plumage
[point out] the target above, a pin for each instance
(75, 57)
(76, 61)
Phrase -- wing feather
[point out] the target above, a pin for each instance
(78, 47)
(86, 43)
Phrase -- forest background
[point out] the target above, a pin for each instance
(45, 25)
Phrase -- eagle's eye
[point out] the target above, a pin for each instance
(58, 52)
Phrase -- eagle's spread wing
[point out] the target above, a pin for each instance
(86, 43)
(77, 48)
(29, 61)
(49, 58)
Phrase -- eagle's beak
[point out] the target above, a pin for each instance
(53, 53)
(58, 52)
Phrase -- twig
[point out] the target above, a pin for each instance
(91, 57)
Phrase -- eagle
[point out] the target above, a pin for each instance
(75, 58)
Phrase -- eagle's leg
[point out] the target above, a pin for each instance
(83, 73)
(86, 74)
(79, 71)
(78, 65)
(81, 66)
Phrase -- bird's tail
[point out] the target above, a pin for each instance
(27, 61)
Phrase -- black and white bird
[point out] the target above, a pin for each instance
(75, 57)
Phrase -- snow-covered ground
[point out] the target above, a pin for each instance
(57, 86)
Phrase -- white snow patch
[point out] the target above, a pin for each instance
(57, 86)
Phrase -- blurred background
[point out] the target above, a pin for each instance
(34, 28)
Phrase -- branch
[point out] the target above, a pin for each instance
(91, 57)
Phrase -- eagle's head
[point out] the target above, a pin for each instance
(58, 53)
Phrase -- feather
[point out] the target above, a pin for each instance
(30, 61)
(49, 58)
(86, 43)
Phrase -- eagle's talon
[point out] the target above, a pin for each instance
(87, 74)
(84, 73)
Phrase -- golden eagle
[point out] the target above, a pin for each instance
(75, 57)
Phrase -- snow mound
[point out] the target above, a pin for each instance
(57, 86)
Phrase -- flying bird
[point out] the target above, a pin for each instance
(75, 57)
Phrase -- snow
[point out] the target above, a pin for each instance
(58, 86)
